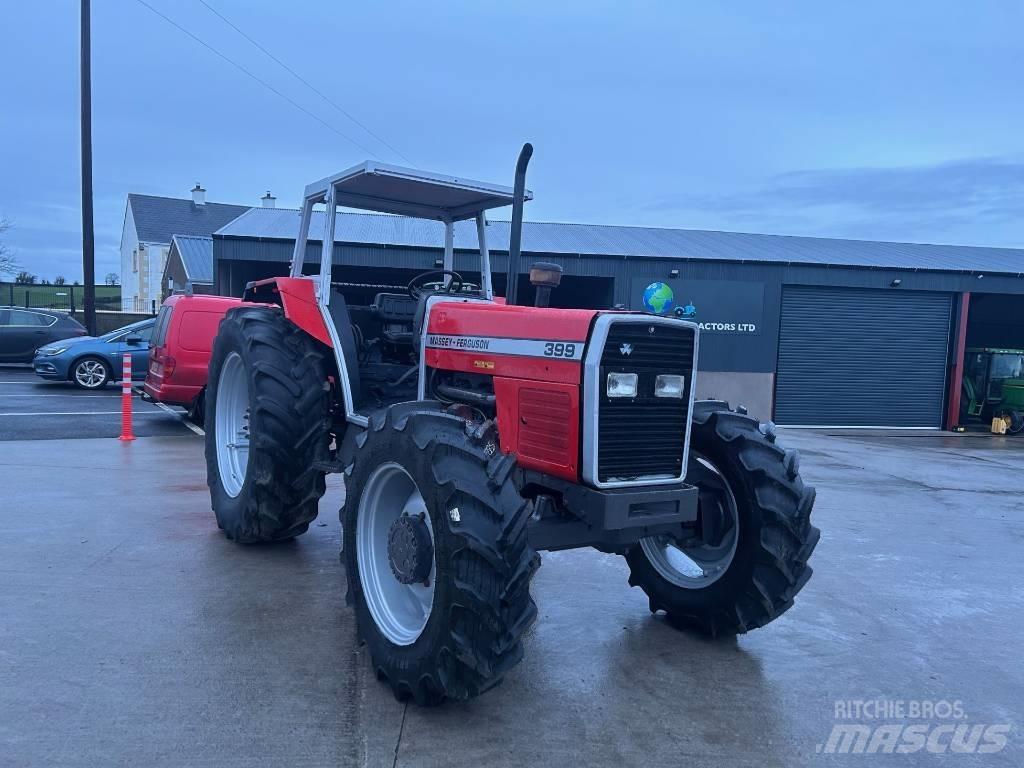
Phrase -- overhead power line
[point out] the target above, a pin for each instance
(306, 83)
(265, 84)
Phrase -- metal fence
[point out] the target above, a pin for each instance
(136, 305)
(70, 297)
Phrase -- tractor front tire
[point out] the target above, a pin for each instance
(442, 614)
(760, 570)
(266, 420)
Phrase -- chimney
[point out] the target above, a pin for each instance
(268, 200)
(198, 195)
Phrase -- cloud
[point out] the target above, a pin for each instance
(984, 184)
(898, 203)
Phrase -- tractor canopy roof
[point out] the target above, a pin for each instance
(374, 186)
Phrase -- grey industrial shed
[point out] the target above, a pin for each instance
(189, 267)
(810, 331)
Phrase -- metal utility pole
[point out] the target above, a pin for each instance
(88, 238)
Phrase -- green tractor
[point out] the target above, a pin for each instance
(993, 386)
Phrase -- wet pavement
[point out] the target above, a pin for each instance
(132, 633)
(32, 408)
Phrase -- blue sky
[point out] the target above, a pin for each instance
(873, 120)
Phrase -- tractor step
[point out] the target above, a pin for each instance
(329, 467)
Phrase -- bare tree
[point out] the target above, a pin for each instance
(8, 264)
(25, 278)
(112, 278)
(59, 280)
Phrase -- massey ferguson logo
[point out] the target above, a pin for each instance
(625, 349)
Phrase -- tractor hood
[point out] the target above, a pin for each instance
(535, 343)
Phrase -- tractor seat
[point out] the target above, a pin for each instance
(394, 307)
(395, 312)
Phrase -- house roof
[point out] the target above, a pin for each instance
(647, 242)
(158, 219)
(196, 254)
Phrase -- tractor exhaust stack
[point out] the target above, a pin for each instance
(516, 235)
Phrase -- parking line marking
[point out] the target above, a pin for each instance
(112, 394)
(80, 413)
(182, 419)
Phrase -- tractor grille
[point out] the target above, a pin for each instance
(644, 436)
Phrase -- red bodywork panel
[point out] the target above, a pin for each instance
(538, 395)
(512, 366)
(539, 421)
(500, 320)
(298, 298)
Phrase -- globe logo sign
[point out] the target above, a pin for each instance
(659, 299)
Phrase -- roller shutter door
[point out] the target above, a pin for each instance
(854, 357)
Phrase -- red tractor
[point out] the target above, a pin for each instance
(474, 431)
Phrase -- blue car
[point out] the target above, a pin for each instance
(90, 362)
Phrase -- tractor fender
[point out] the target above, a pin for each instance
(298, 299)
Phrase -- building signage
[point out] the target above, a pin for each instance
(717, 306)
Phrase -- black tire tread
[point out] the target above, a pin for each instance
(781, 506)
(291, 408)
(491, 565)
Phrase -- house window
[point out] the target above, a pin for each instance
(135, 260)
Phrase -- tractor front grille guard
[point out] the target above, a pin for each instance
(640, 438)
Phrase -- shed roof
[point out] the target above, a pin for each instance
(158, 219)
(196, 254)
(647, 242)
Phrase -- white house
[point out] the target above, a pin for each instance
(150, 224)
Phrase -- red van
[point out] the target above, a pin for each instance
(180, 349)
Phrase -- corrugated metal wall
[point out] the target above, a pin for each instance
(853, 357)
(250, 259)
(622, 268)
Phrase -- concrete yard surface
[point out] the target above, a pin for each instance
(133, 634)
(32, 408)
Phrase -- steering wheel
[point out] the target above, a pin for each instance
(416, 285)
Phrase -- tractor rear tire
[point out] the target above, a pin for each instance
(1015, 422)
(474, 604)
(196, 412)
(774, 536)
(280, 383)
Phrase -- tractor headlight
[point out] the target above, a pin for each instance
(621, 385)
(669, 385)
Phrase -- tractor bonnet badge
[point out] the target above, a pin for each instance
(625, 349)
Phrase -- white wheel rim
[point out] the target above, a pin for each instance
(232, 427)
(90, 373)
(399, 610)
(696, 567)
